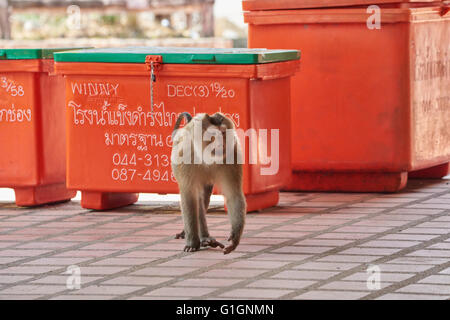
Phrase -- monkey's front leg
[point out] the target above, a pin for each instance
(206, 239)
(189, 209)
(237, 208)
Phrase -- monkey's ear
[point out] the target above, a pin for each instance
(187, 116)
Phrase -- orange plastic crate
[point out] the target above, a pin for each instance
(32, 127)
(369, 107)
(116, 149)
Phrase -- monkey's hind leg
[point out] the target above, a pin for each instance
(205, 238)
(189, 209)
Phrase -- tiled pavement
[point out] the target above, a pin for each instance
(312, 246)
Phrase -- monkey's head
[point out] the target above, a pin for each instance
(217, 121)
(208, 134)
(215, 127)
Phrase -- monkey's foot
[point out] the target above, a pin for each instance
(231, 247)
(211, 242)
(180, 235)
(191, 248)
(192, 245)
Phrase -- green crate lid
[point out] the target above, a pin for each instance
(28, 54)
(179, 55)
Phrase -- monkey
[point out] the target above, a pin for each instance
(196, 179)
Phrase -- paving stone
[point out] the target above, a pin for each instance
(85, 253)
(7, 260)
(135, 280)
(256, 293)
(323, 242)
(445, 271)
(22, 252)
(149, 254)
(106, 290)
(410, 296)
(189, 263)
(20, 296)
(332, 266)
(123, 261)
(302, 249)
(159, 298)
(348, 258)
(51, 261)
(419, 260)
(281, 284)
(349, 236)
(388, 267)
(33, 270)
(47, 245)
(442, 245)
(331, 295)
(83, 297)
(427, 288)
(296, 228)
(281, 257)
(431, 253)
(159, 271)
(362, 229)
(352, 286)
(437, 278)
(411, 237)
(384, 276)
(249, 264)
(371, 251)
(180, 292)
(101, 270)
(373, 205)
(33, 289)
(206, 282)
(390, 244)
(416, 211)
(9, 279)
(62, 280)
(282, 235)
(383, 223)
(232, 273)
(305, 274)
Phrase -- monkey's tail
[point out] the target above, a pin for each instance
(182, 115)
(180, 118)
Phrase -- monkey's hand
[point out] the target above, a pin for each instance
(211, 242)
(180, 235)
(232, 246)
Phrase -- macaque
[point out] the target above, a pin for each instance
(206, 152)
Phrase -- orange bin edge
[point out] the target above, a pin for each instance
(256, 5)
